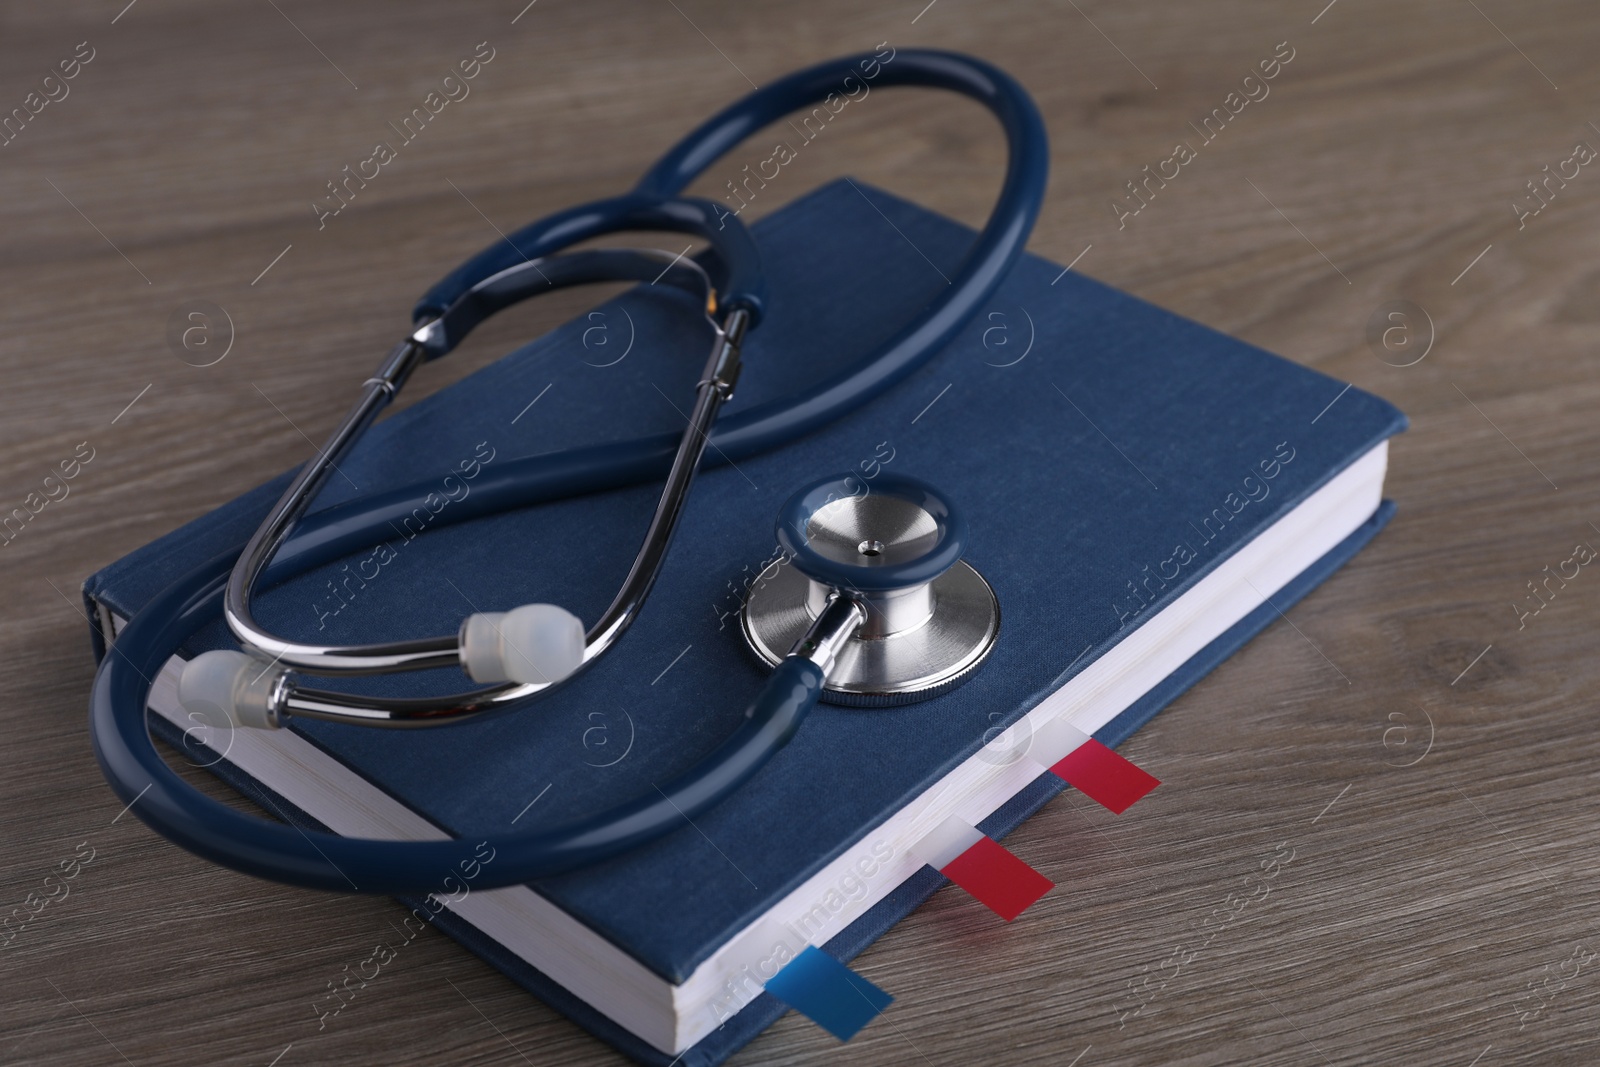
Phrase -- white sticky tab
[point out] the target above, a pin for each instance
(947, 841)
(1054, 741)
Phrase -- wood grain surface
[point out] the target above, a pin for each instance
(1426, 756)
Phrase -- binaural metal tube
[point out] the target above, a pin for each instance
(715, 387)
(430, 339)
(376, 392)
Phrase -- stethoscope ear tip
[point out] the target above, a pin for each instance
(224, 689)
(534, 644)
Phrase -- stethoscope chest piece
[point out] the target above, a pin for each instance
(895, 549)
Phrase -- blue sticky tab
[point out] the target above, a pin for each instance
(828, 993)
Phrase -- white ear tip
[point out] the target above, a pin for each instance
(536, 643)
(224, 689)
(205, 688)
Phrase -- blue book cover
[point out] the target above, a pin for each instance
(1111, 458)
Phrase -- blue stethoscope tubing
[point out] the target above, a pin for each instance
(158, 796)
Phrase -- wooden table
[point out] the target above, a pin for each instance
(1428, 760)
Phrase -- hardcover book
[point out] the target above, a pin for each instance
(1144, 495)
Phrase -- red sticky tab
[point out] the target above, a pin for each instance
(1003, 883)
(1104, 776)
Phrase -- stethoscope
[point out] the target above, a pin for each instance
(873, 605)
